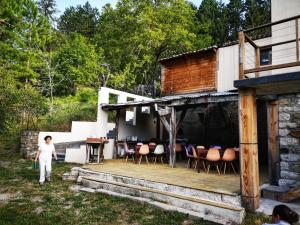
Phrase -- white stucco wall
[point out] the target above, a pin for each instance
(79, 132)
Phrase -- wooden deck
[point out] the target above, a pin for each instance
(180, 176)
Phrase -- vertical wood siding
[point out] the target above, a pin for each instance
(189, 74)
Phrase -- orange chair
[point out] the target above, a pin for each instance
(144, 150)
(178, 148)
(212, 157)
(229, 157)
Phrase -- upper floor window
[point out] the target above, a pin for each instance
(266, 56)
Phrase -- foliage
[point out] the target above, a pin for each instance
(19, 107)
(80, 19)
(80, 107)
(48, 8)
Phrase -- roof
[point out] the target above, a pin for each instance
(211, 48)
(178, 100)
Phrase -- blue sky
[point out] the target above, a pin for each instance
(63, 4)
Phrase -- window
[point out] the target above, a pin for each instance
(266, 56)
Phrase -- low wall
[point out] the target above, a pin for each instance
(29, 143)
(289, 139)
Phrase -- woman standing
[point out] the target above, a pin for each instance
(44, 154)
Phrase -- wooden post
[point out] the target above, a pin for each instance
(257, 60)
(241, 55)
(172, 138)
(248, 149)
(115, 153)
(273, 144)
(297, 40)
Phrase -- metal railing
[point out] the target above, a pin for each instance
(281, 46)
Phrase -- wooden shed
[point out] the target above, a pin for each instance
(190, 72)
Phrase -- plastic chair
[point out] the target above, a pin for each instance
(128, 152)
(178, 148)
(189, 155)
(229, 157)
(144, 150)
(212, 157)
(159, 150)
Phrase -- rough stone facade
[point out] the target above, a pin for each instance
(29, 143)
(289, 139)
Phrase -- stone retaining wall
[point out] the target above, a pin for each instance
(289, 139)
(29, 143)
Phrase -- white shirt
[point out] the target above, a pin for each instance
(46, 151)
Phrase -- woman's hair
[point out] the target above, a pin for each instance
(285, 214)
(48, 136)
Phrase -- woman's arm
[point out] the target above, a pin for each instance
(54, 153)
(37, 155)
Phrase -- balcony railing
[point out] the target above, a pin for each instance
(278, 50)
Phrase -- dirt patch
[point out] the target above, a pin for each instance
(6, 197)
(38, 210)
(5, 164)
(37, 199)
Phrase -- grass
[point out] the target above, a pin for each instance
(28, 203)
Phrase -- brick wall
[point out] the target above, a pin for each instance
(289, 139)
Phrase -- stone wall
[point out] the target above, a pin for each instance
(29, 143)
(289, 139)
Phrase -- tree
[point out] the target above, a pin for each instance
(48, 9)
(76, 63)
(212, 18)
(257, 12)
(136, 34)
(235, 18)
(82, 20)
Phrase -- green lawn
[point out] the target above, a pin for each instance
(23, 201)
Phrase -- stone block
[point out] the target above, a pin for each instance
(286, 141)
(284, 116)
(283, 132)
(290, 175)
(286, 182)
(290, 157)
(284, 101)
(284, 166)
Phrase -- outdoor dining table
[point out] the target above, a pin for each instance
(95, 144)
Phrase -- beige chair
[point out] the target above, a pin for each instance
(144, 150)
(212, 157)
(159, 151)
(229, 157)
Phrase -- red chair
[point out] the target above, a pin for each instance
(212, 157)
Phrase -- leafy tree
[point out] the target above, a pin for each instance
(82, 20)
(77, 63)
(48, 9)
(136, 34)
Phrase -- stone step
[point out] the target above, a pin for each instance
(208, 209)
(222, 197)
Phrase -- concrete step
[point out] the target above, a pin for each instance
(207, 209)
(211, 206)
(222, 197)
